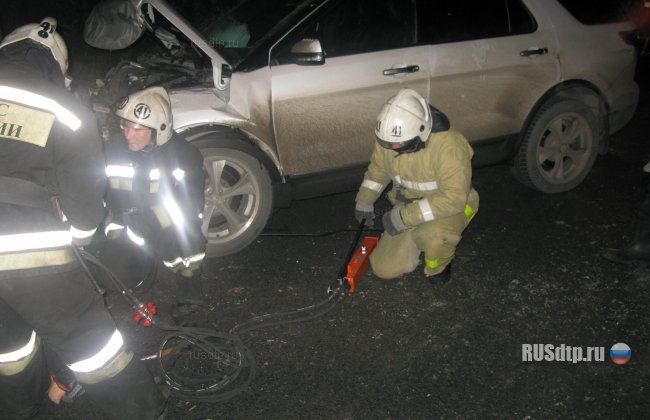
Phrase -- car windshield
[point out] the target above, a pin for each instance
(236, 31)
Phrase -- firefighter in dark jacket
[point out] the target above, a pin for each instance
(156, 196)
(52, 185)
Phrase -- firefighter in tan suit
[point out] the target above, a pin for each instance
(429, 164)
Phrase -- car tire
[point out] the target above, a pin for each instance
(559, 147)
(238, 199)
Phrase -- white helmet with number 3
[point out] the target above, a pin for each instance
(150, 108)
(403, 118)
(45, 34)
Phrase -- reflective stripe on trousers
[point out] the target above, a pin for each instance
(186, 262)
(436, 263)
(185, 266)
(82, 237)
(16, 361)
(99, 359)
(469, 213)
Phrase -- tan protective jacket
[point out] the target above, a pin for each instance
(433, 183)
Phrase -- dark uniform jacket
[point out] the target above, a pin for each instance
(157, 195)
(50, 140)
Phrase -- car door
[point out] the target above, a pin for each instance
(490, 61)
(324, 115)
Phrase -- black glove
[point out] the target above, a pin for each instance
(365, 212)
(393, 223)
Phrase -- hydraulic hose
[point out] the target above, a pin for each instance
(227, 366)
(317, 235)
(334, 294)
(231, 365)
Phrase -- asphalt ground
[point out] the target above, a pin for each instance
(528, 271)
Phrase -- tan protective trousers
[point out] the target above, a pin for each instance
(400, 254)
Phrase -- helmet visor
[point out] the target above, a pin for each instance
(399, 147)
(124, 124)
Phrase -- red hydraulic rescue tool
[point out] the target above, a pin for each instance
(357, 259)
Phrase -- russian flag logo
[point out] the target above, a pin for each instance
(620, 353)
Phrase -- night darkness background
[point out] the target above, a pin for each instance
(87, 63)
(528, 271)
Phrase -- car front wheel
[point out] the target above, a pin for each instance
(559, 147)
(238, 199)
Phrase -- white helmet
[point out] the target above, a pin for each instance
(403, 118)
(149, 108)
(45, 34)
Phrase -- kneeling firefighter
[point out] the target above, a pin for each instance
(429, 164)
(155, 198)
(52, 185)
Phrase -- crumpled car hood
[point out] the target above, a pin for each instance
(116, 24)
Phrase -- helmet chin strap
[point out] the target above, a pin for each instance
(440, 122)
(411, 146)
(148, 148)
(152, 145)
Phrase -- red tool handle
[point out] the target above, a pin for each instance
(359, 262)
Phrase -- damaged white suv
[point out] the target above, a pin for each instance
(281, 95)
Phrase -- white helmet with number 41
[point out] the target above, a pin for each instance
(43, 33)
(150, 108)
(403, 118)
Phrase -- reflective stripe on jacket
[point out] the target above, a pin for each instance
(35, 249)
(157, 195)
(50, 140)
(435, 182)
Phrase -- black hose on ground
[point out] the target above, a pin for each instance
(316, 235)
(202, 364)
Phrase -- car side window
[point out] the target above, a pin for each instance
(600, 12)
(463, 20)
(519, 18)
(368, 25)
(361, 26)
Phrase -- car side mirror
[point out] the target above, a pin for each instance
(307, 52)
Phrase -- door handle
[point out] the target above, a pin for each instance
(408, 69)
(533, 51)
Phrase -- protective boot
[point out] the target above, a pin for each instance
(442, 277)
(189, 290)
(23, 394)
(188, 301)
(637, 251)
(131, 394)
